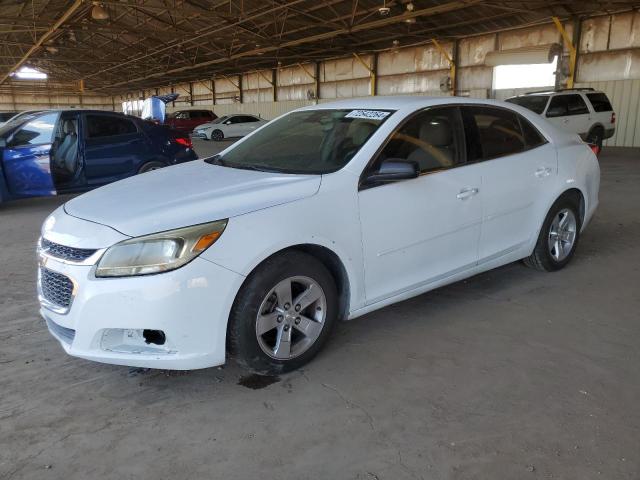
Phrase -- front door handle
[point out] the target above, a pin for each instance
(466, 193)
(543, 172)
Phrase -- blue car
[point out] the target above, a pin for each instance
(65, 151)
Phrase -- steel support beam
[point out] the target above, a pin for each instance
(46, 36)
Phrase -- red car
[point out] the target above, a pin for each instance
(187, 120)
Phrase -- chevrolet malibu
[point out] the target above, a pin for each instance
(326, 213)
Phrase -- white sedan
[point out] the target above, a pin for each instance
(327, 213)
(229, 126)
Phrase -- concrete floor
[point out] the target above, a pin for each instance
(512, 374)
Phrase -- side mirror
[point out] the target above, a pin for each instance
(394, 169)
(228, 122)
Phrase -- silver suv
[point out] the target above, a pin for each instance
(584, 111)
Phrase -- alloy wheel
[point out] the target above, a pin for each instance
(291, 318)
(562, 234)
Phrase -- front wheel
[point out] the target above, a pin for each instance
(217, 135)
(150, 166)
(558, 237)
(283, 314)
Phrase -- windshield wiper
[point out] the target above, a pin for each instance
(215, 160)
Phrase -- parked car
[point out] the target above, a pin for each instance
(61, 151)
(327, 213)
(229, 126)
(584, 111)
(5, 116)
(187, 120)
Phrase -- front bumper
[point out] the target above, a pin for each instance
(107, 316)
(199, 134)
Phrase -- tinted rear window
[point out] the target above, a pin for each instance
(535, 103)
(600, 102)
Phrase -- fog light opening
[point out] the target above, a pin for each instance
(157, 337)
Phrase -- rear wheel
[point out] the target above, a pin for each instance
(596, 137)
(283, 314)
(149, 166)
(217, 135)
(558, 237)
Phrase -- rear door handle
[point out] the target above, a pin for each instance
(467, 193)
(543, 172)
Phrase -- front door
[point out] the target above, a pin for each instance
(420, 231)
(26, 157)
(113, 148)
(569, 112)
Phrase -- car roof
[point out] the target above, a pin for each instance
(565, 91)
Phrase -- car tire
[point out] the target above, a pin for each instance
(217, 135)
(268, 333)
(150, 166)
(559, 235)
(596, 137)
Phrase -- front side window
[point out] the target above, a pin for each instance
(37, 131)
(311, 141)
(576, 105)
(492, 133)
(558, 107)
(108, 126)
(432, 139)
(535, 103)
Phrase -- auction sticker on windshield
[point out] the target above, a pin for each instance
(369, 114)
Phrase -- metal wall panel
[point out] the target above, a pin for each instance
(595, 34)
(471, 51)
(625, 31)
(414, 59)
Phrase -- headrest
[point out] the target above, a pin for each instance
(69, 127)
(436, 132)
(360, 132)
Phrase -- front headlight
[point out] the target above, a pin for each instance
(159, 252)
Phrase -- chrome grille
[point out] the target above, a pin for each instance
(66, 253)
(57, 289)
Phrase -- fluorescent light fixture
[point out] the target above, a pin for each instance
(26, 73)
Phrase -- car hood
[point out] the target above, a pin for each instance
(187, 194)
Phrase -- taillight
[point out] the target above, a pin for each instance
(184, 141)
(594, 148)
(613, 117)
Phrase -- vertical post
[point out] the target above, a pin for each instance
(113, 103)
(213, 90)
(374, 74)
(240, 87)
(451, 62)
(454, 67)
(274, 83)
(191, 93)
(317, 86)
(572, 51)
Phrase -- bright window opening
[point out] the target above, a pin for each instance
(525, 76)
(27, 73)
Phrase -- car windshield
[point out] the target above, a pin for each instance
(306, 142)
(16, 121)
(535, 103)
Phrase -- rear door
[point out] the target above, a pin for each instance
(518, 167)
(114, 148)
(26, 157)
